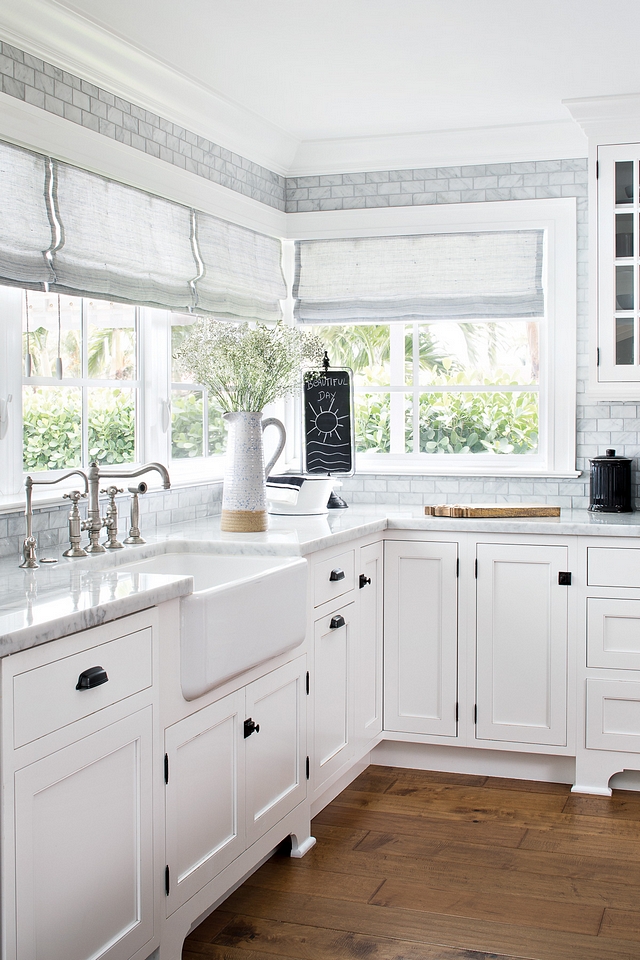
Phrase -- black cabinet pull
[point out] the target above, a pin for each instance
(92, 677)
(336, 574)
(250, 727)
(364, 580)
(337, 621)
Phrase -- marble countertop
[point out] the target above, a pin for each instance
(57, 599)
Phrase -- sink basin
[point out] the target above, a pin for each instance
(243, 611)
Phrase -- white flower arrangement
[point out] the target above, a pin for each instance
(246, 366)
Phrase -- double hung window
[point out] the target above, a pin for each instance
(460, 330)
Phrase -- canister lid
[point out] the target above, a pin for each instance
(610, 457)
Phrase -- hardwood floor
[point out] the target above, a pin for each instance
(413, 865)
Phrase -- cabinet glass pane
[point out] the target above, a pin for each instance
(624, 341)
(624, 235)
(624, 181)
(624, 288)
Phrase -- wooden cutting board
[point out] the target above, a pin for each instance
(492, 510)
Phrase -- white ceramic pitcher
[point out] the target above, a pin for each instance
(244, 502)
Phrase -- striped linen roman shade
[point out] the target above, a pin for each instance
(71, 231)
(444, 276)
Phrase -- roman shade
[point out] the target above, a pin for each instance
(25, 230)
(68, 230)
(242, 271)
(121, 243)
(446, 276)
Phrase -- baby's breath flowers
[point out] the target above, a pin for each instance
(247, 366)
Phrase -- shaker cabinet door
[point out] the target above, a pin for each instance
(522, 635)
(421, 637)
(84, 855)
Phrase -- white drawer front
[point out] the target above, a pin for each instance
(342, 568)
(613, 715)
(613, 633)
(46, 699)
(613, 567)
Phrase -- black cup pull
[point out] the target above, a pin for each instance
(364, 580)
(250, 726)
(92, 677)
(336, 622)
(336, 574)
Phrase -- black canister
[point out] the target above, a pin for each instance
(610, 487)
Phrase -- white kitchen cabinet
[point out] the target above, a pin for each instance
(332, 690)
(227, 786)
(617, 345)
(204, 776)
(522, 638)
(421, 637)
(368, 647)
(276, 773)
(78, 808)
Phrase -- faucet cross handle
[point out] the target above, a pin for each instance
(74, 496)
(111, 520)
(75, 525)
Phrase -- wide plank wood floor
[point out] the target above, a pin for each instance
(414, 865)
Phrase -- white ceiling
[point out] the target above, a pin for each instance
(324, 74)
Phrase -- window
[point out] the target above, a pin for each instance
(197, 427)
(442, 388)
(119, 399)
(80, 388)
(459, 324)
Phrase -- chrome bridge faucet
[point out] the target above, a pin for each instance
(95, 522)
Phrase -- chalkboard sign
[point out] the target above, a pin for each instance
(327, 423)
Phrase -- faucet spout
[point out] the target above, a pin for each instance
(145, 468)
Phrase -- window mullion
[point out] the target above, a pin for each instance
(396, 345)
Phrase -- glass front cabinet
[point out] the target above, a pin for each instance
(618, 318)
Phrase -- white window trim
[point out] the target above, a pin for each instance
(557, 217)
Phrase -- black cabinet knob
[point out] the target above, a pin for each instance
(336, 574)
(250, 726)
(337, 621)
(364, 580)
(92, 677)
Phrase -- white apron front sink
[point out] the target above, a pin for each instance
(243, 611)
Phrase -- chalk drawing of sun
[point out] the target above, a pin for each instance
(326, 422)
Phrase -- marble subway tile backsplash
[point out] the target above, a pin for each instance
(415, 491)
(157, 508)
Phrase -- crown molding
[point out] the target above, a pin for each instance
(608, 119)
(29, 126)
(560, 139)
(74, 43)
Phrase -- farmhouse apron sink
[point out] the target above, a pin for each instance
(243, 611)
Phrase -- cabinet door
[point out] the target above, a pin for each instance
(618, 264)
(205, 824)
(84, 855)
(521, 644)
(331, 689)
(421, 637)
(367, 665)
(276, 754)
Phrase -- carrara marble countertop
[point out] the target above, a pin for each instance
(37, 606)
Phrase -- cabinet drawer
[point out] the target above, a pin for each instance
(613, 715)
(613, 567)
(342, 569)
(613, 633)
(46, 699)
